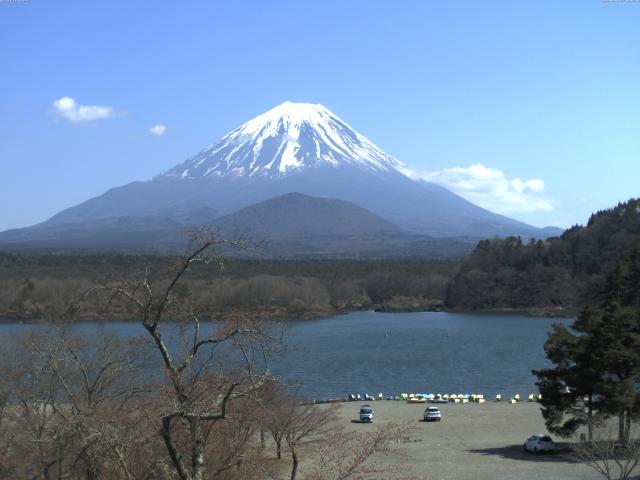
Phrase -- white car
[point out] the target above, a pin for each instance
(366, 414)
(539, 443)
(432, 414)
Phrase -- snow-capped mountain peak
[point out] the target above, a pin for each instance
(288, 138)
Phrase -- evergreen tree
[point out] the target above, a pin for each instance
(570, 389)
(597, 360)
(616, 343)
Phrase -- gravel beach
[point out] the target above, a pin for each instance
(473, 441)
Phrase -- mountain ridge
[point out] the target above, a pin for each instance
(301, 148)
(289, 226)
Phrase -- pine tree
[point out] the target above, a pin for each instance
(597, 360)
(570, 389)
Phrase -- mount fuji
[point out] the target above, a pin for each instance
(294, 147)
(287, 139)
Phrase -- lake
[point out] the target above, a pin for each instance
(392, 353)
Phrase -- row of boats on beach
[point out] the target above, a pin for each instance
(440, 398)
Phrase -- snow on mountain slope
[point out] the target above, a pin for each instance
(294, 147)
(287, 138)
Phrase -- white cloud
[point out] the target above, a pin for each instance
(158, 130)
(491, 189)
(69, 109)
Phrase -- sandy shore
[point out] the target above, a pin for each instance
(473, 441)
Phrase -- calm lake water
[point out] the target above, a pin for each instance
(392, 353)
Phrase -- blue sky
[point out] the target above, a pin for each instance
(531, 109)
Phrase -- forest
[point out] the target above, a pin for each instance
(44, 288)
(547, 276)
(556, 276)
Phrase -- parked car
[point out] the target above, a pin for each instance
(432, 414)
(540, 443)
(366, 414)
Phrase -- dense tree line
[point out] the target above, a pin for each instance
(568, 271)
(51, 287)
(549, 275)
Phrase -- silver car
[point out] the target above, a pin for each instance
(539, 443)
(366, 414)
(432, 414)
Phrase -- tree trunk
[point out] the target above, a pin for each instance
(590, 418)
(262, 441)
(627, 424)
(122, 463)
(43, 463)
(621, 422)
(197, 450)
(279, 448)
(172, 450)
(89, 470)
(294, 467)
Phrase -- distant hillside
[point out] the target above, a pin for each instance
(288, 226)
(112, 234)
(300, 226)
(568, 271)
(300, 216)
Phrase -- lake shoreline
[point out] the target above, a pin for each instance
(280, 315)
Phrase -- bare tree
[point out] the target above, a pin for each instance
(99, 379)
(276, 415)
(207, 368)
(306, 425)
(353, 455)
(611, 457)
(5, 437)
(71, 407)
(22, 394)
